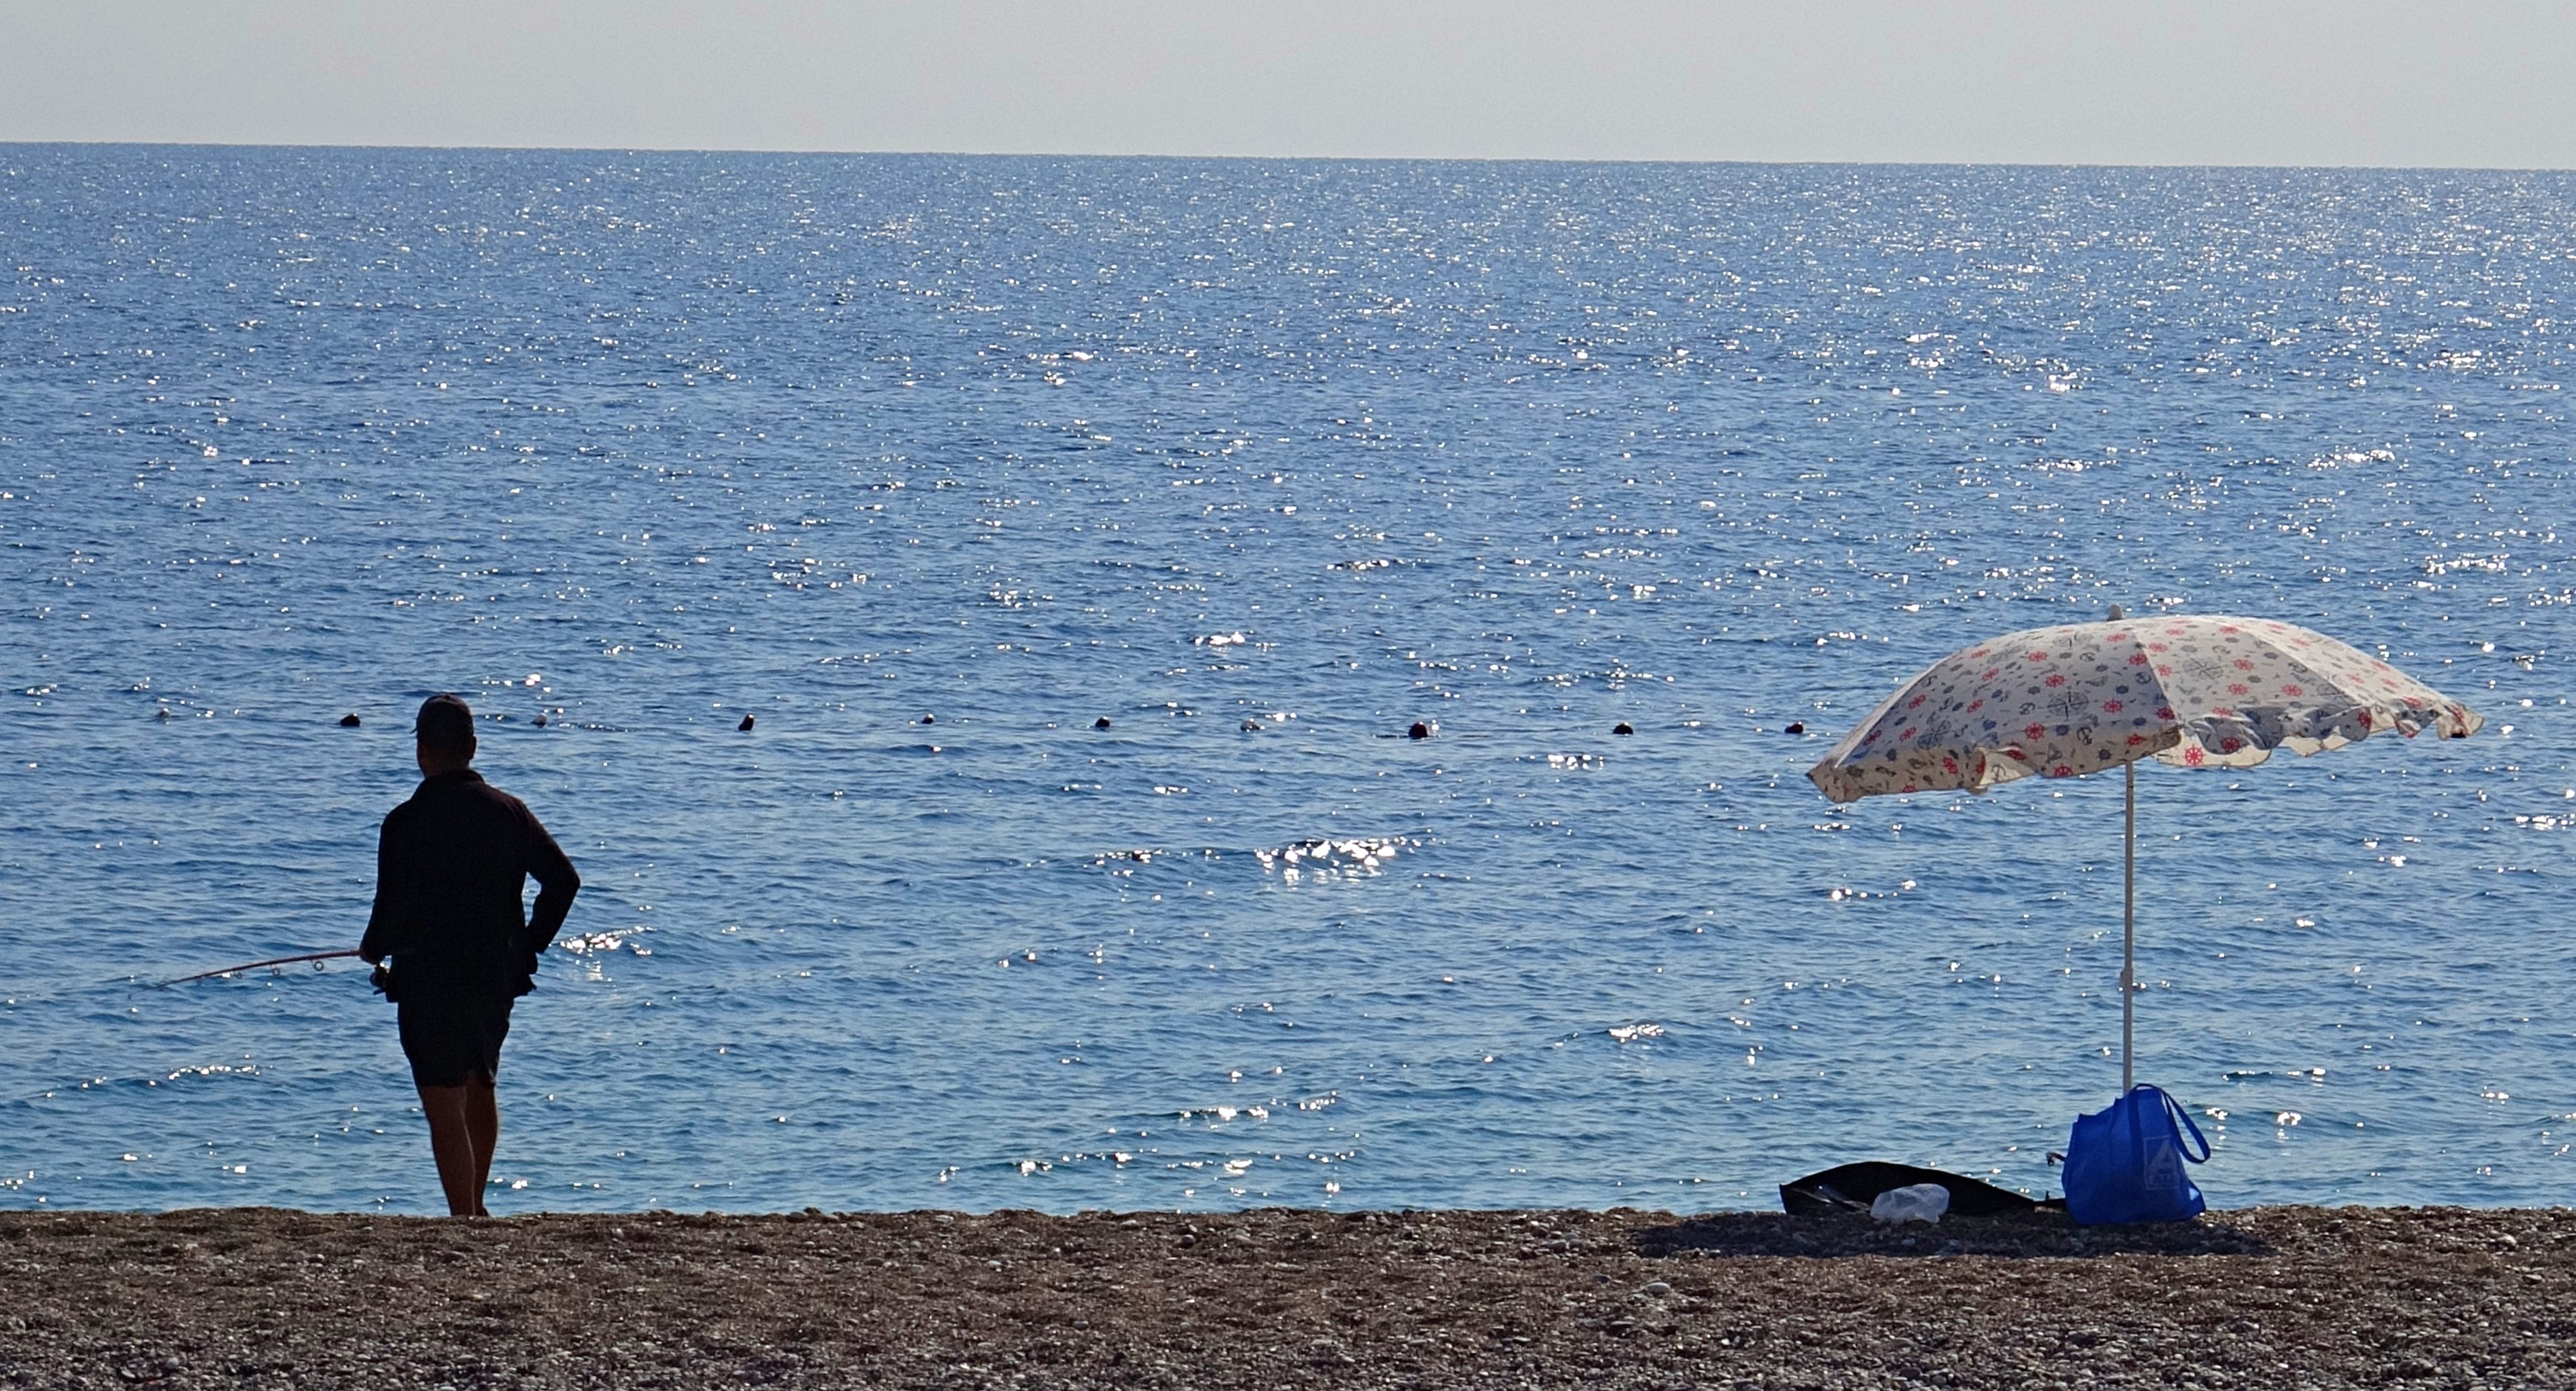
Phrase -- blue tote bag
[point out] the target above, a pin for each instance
(2125, 1164)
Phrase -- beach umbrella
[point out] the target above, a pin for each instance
(2193, 692)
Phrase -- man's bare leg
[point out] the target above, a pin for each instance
(451, 1143)
(483, 1124)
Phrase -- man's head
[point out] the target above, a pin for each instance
(445, 733)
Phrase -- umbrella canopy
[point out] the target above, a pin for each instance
(2085, 697)
(2082, 698)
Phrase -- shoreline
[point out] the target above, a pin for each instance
(1281, 1297)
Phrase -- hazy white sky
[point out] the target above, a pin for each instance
(2189, 82)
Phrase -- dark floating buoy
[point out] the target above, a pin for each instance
(1623, 727)
(1252, 726)
(161, 714)
(1793, 727)
(347, 721)
(1419, 731)
(1101, 723)
(930, 719)
(541, 719)
(745, 726)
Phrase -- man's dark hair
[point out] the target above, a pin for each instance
(446, 725)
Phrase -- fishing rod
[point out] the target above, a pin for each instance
(317, 958)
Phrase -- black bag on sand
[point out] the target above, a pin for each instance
(1853, 1187)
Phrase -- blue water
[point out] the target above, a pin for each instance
(646, 443)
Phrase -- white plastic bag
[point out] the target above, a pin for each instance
(1918, 1202)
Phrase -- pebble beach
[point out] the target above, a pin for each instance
(1280, 1298)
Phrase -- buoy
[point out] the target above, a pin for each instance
(1101, 723)
(1793, 727)
(1419, 731)
(930, 719)
(1252, 726)
(541, 719)
(347, 721)
(745, 725)
(1623, 727)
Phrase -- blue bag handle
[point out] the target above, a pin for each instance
(2174, 1109)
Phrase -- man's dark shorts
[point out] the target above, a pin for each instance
(453, 1037)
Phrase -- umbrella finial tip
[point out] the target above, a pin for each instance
(2116, 614)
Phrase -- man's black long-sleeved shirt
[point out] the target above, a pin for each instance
(450, 868)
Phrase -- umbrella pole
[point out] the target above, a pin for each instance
(2129, 938)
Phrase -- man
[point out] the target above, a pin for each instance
(450, 867)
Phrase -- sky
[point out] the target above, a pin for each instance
(2274, 82)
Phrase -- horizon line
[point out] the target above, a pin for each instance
(795, 152)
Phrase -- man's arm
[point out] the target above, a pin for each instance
(557, 882)
(384, 927)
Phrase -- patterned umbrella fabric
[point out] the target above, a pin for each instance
(2085, 697)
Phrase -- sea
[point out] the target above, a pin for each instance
(964, 617)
